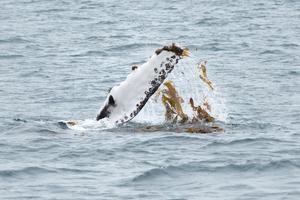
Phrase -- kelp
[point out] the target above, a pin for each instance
(203, 75)
(172, 102)
(203, 130)
(200, 114)
(72, 122)
(173, 106)
(174, 113)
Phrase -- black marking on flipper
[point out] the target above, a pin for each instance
(134, 67)
(111, 101)
(103, 113)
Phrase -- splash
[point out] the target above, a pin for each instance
(188, 96)
(187, 101)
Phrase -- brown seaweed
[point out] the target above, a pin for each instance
(200, 113)
(172, 102)
(203, 75)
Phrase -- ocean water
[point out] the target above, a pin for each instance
(59, 58)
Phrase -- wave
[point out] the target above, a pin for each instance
(13, 40)
(11, 56)
(276, 51)
(202, 167)
(51, 10)
(26, 171)
(247, 141)
(90, 53)
(162, 140)
(133, 46)
(255, 125)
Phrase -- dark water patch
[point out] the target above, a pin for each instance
(118, 36)
(208, 21)
(237, 187)
(290, 45)
(294, 73)
(48, 131)
(256, 126)
(31, 171)
(90, 54)
(20, 120)
(272, 52)
(51, 10)
(212, 47)
(75, 170)
(248, 141)
(80, 18)
(42, 147)
(95, 38)
(106, 22)
(14, 40)
(163, 140)
(12, 56)
(132, 46)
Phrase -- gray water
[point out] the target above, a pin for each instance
(59, 58)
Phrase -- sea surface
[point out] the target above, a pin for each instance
(59, 58)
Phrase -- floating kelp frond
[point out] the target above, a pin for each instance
(203, 74)
(72, 122)
(204, 130)
(172, 102)
(200, 113)
(185, 53)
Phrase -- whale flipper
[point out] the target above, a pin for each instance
(126, 100)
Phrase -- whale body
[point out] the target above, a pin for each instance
(127, 99)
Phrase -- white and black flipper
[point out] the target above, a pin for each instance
(126, 100)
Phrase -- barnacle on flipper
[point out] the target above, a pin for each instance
(203, 74)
